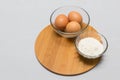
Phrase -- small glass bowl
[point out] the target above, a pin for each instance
(97, 36)
(65, 10)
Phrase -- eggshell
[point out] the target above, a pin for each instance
(75, 16)
(73, 26)
(61, 21)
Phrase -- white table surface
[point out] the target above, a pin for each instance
(22, 20)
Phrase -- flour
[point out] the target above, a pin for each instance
(90, 47)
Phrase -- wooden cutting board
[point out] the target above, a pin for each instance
(59, 55)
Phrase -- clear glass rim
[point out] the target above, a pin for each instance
(68, 32)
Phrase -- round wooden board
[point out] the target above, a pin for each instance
(59, 55)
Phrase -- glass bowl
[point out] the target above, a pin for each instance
(88, 51)
(65, 10)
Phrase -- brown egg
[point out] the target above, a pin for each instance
(61, 21)
(73, 26)
(75, 16)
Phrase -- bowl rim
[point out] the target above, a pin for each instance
(92, 57)
(78, 32)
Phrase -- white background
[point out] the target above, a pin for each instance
(22, 20)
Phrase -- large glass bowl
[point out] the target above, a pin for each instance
(65, 10)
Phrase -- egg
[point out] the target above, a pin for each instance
(75, 16)
(73, 26)
(61, 21)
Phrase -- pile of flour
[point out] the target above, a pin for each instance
(90, 47)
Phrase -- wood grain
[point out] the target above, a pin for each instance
(59, 55)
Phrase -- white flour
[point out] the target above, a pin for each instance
(90, 47)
